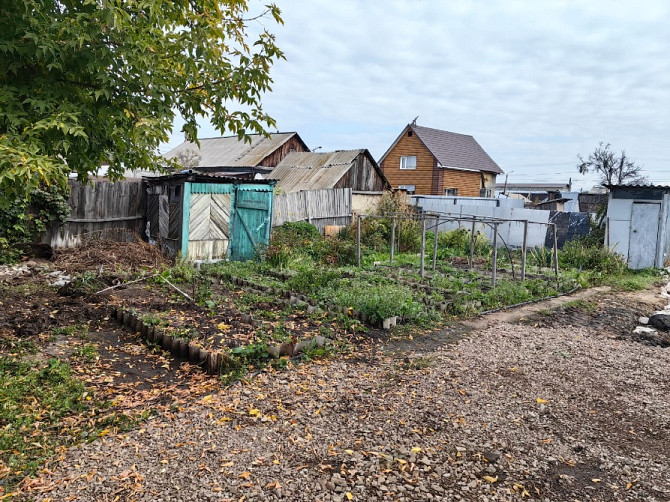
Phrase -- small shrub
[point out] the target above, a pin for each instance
(457, 243)
(579, 255)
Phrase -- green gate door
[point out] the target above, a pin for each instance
(251, 220)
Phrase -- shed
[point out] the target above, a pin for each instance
(209, 217)
(637, 224)
(355, 169)
(227, 152)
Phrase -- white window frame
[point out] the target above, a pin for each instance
(404, 163)
(451, 189)
(410, 189)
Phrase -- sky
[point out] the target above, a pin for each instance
(535, 83)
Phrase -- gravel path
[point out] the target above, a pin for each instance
(508, 413)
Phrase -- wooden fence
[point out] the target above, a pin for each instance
(101, 209)
(321, 208)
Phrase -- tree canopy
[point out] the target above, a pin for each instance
(87, 82)
(612, 169)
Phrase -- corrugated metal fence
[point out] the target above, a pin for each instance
(102, 209)
(319, 207)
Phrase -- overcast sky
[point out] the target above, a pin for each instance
(535, 83)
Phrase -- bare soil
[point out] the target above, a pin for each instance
(552, 401)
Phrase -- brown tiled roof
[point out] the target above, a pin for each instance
(456, 150)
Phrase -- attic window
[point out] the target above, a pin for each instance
(408, 162)
(409, 133)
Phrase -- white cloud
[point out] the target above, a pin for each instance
(535, 83)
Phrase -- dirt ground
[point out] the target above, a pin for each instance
(552, 401)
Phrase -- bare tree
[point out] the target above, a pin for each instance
(613, 169)
(188, 158)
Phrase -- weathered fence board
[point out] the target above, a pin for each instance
(321, 208)
(103, 208)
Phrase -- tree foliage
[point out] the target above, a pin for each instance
(612, 169)
(86, 82)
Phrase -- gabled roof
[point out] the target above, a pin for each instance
(231, 151)
(316, 171)
(452, 150)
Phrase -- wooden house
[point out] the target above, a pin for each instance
(434, 162)
(237, 158)
(209, 217)
(355, 169)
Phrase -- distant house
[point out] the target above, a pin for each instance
(434, 162)
(355, 169)
(232, 156)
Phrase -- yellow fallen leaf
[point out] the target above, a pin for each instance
(541, 401)
(350, 452)
(349, 496)
(629, 485)
(401, 461)
(244, 475)
(596, 480)
(254, 412)
(491, 479)
(207, 398)
(416, 449)
(227, 464)
(317, 411)
(223, 326)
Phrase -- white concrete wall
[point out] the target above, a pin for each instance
(510, 233)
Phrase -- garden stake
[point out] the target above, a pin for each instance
(358, 240)
(494, 268)
(437, 224)
(392, 239)
(423, 247)
(524, 250)
(555, 253)
(471, 263)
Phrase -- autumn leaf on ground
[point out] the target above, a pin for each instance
(491, 479)
(244, 475)
(541, 401)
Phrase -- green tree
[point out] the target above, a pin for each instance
(86, 82)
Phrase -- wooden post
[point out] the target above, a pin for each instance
(524, 250)
(471, 263)
(437, 224)
(423, 246)
(555, 254)
(494, 268)
(358, 239)
(392, 239)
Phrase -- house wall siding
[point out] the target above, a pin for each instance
(421, 177)
(468, 183)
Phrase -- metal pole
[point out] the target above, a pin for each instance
(555, 253)
(437, 224)
(471, 263)
(494, 271)
(358, 239)
(524, 250)
(392, 239)
(423, 247)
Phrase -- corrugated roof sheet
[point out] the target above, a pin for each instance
(230, 151)
(456, 150)
(634, 185)
(313, 171)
